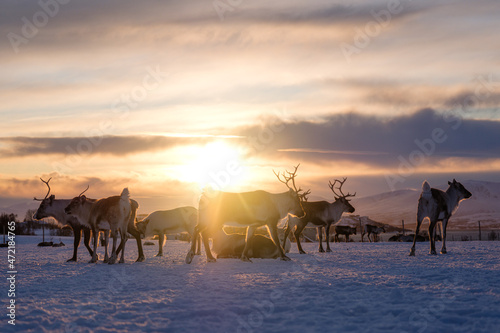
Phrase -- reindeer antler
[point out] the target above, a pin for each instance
(47, 195)
(341, 195)
(303, 196)
(84, 191)
(286, 179)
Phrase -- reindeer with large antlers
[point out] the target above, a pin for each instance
(52, 207)
(248, 209)
(321, 214)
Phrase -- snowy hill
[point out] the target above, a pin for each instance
(392, 207)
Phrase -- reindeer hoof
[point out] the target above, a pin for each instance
(140, 259)
(302, 252)
(198, 253)
(92, 261)
(106, 261)
(122, 261)
(321, 250)
(72, 259)
(211, 260)
(159, 255)
(412, 253)
(246, 259)
(443, 252)
(285, 258)
(433, 252)
(189, 257)
(328, 250)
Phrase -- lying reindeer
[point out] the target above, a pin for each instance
(321, 214)
(116, 213)
(232, 245)
(167, 222)
(437, 205)
(52, 207)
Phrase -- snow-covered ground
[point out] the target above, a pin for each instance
(359, 287)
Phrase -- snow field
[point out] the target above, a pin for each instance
(359, 287)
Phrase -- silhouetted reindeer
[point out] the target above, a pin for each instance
(438, 205)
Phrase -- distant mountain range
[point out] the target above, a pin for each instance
(387, 208)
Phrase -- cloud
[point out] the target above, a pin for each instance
(105, 145)
(382, 140)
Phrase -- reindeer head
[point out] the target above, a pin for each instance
(45, 203)
(141, 227)
(76, 203)
(295, 194)
(460, 189)
(341, 197)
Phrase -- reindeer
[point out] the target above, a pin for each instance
(112, 213)
(166, 222)
(83, 205)
(372, 229)
(321, 214)
(232, 245)
(344, 230)
(247, 209)
(437, 205)
(52, 207)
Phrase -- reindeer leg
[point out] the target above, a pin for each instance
(76, 242)
(106, 242)
(443, 235)
(112, 258)
(137, 235)
(287, 232)
(248, 240)
(198, 242)
(327, 235)
(123, 235)
(206, 244)
(298, 231)
(319, 232)
(273, 231)
(161, 238)
(432, 225)
(417, 229)
(86, 239)
(190, 254)
(95, 234)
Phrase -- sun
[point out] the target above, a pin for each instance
(217, 164)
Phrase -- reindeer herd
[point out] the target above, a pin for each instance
(116, 216)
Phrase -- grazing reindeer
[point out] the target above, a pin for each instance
(248, 209)
(437, 205)
(112, 213)
(167, 222)
(52, 207)
(321, 214)
(232, 245)
(372, 229)
(344, 230)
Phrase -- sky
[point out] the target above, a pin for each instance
(167, 97)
